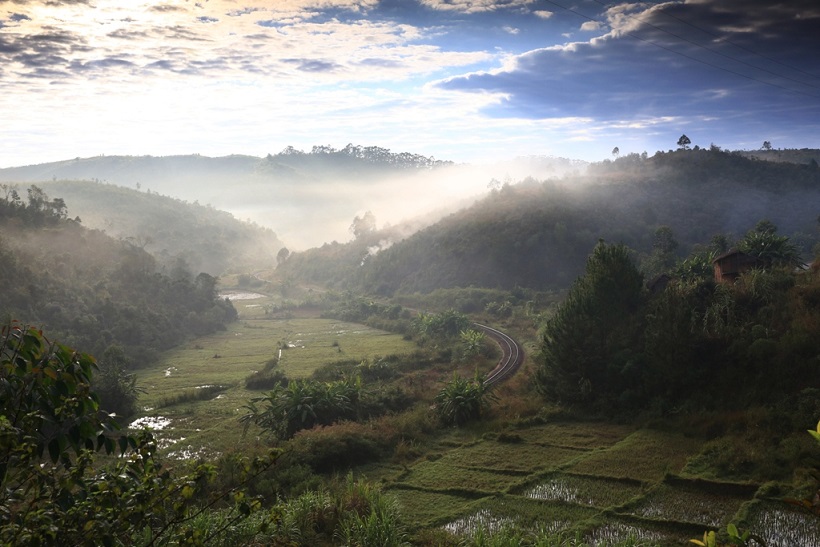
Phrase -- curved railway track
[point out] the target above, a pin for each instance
(511, 359)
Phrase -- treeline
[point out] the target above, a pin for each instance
(94, 292)
(537, 234)
(370, 154)
(614, 346)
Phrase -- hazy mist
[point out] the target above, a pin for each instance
(307, 199)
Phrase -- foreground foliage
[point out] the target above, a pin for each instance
(54, 489)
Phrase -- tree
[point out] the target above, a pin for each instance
(115, 386)
(771, 249)
(364, 225)
(767, 145)
(684, 142)
(663, 256)
(303, 404)
(282, 256)
(616, 151)
(591, 347)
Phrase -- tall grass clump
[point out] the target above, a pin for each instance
(267, 378)
(203, 393)
(379, 526)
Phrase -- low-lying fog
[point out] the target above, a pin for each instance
(307, 200)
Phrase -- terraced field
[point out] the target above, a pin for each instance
(597, 480)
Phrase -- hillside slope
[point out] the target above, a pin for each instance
(203, 238)
(94, 292)
(538, 234)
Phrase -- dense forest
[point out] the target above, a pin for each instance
(538, 234)
(690, 343)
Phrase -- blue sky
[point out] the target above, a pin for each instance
(464, 80)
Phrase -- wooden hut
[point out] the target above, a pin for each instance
(729, 266)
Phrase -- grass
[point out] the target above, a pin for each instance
(443, 476)
(504, 457)
(425, 509)
(209, 426)
(199, 393)
(605, 482)
(567, 478)
(583, 435)
(494, 513)
(781, 524)
(646, 455)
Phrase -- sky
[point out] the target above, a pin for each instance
(461, 80)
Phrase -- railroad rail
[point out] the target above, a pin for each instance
(511, 359)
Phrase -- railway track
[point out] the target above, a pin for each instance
(511, 359)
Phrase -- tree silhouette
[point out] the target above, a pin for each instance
(684, 142)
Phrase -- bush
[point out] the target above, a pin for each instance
(337, 447)
(261, 380)
(461, 400)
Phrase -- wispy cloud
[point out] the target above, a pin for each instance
(457, 78)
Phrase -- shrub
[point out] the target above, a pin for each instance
(463, 400)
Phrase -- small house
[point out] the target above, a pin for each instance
(729, 266)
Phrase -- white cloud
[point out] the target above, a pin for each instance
(475, 6)
(591, 26)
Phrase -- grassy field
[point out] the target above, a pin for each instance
(208, 425)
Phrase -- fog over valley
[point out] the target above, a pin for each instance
(307, 198)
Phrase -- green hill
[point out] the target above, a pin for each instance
(204, 238)
(538, 234)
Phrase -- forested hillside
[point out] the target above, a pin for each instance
(306, 197)
(93, 291)
(538, 234)
(202, 238)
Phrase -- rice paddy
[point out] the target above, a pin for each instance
(781, 524)
(583, 490)
(690, 505)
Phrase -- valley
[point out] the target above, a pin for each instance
(555, 364)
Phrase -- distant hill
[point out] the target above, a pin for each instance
(538, 234)
(802, 156)
(308, 198)
(204, 238)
